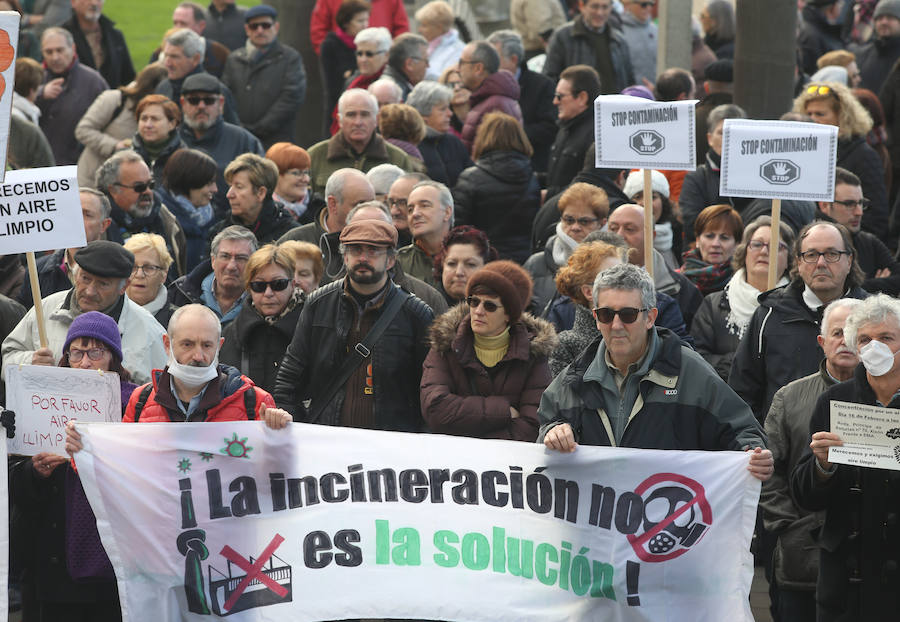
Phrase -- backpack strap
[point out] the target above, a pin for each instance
(250, 403)
(142, 399)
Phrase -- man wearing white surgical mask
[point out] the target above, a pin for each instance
(860, 553)
(194, 387)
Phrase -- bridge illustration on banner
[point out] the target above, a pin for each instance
(266, 581)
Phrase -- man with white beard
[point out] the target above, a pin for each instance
(126, 181)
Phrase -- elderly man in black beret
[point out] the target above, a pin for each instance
(102, 272)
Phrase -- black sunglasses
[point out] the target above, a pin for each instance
(263, 25)
(277, 285)
(475, 301)
(194, 100)
(628, 315)
(140, 187)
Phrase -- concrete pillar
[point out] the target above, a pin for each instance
(765, 57)
(674, 20)
(294, 16)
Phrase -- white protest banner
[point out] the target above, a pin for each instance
(40, 210)
(9, 41)
(870, 435)
(46, 398)
(632, 132)
(778, 160)
(324, 523)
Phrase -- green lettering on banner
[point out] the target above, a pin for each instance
(498, 547)
(545, 554)
(448, 556)
(476, 551)
(408, 551)
(382, 542)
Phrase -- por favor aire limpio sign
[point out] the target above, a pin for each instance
(203, 521)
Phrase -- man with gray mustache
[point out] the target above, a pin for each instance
(796, 558)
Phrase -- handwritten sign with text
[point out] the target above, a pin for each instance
(46, 398)
(40, 210)
(871, 435)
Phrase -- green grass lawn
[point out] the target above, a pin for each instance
(144, 22)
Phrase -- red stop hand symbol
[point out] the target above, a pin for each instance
(7, 54)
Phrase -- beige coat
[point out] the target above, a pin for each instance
(532, 17)
(100, 133)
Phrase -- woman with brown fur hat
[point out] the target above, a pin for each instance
(487, 366)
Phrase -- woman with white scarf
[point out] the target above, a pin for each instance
(724, 315)
(583, 208)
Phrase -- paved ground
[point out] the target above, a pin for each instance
(759, 596)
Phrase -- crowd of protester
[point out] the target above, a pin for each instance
(449, 259)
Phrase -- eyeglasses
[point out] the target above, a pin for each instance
(258, 25)
(561, 96)
(474, 302)
(95, 354)
(368, 53)
(467, 62)
(401, 203)
(424, 60)
(195, 100)
(819, 89)
(628, 315)
(298, 173)
(582, 222)
(454, 84)
(830, 256)
(140, 187)
(850, 204)
(358, 250)
(758, 245)
(147, 269)
(645, 5)
(278, 285)
(227, 257)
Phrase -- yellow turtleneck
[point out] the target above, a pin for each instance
(491, 350)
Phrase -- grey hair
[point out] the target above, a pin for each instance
(427, 94)
(834, 305)
(387, 83)
(626, 277)
(108, 173)
(105, 207)
(720, 113)
(383, 176)
(406, 46)
(444, 194)
(189, 41)
(379, 35)
(510, 43)
(233, 232)
(173, 321)
(379, 205)
(873, 309)
(62, 32)
(485, 53)
(338, 179)
(373, 103)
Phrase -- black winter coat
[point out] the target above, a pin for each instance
(500, 195)
(872, 255)
(445, 156)
(859, 544)
(875, 60)
(51, 277)
(272, 223)
(538, 114)
(855, 155)
(573, 139)
(318, 348)
(188, 288)
(256, 347)
(700, 190)
(336, 58)
(816, 37)
(712, 338)
(117, 69)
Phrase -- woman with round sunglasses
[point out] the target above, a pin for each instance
(487, 366)
(723, 316)
(830, 103)
(255, 342)
(66, 561)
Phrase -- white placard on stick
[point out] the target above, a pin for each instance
(46, 398)
(9, 41)
(632, 132)
(40, 210)
(778, 160)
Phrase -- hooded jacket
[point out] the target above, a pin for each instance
(459, 395)
(498, 93)
(500, 195)
(681, 404)
(778, 346)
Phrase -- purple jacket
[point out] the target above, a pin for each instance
(498, 93)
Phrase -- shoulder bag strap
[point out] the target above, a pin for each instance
(360, 352)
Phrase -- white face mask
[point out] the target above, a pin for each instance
(193, 376)
(877, 358)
